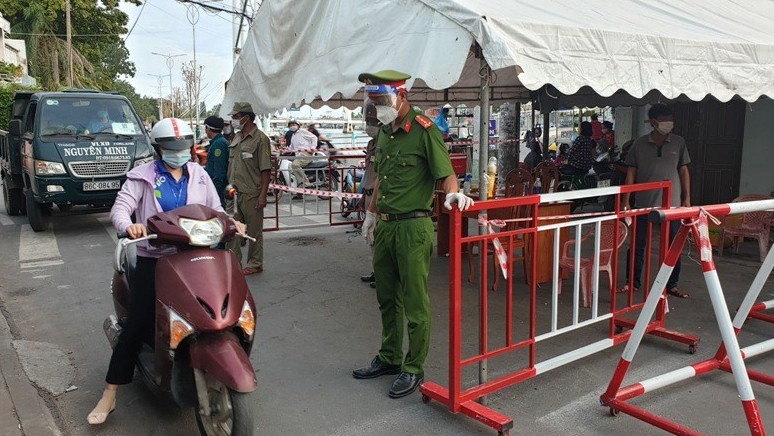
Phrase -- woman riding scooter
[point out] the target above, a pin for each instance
(167, 183)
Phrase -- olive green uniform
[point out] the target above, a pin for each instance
(408, 163)
(249, 155)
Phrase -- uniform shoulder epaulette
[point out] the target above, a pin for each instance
(424, 121)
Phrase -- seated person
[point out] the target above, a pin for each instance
(101, 124)
(580, 158)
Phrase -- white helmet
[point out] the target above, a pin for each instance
(172, 134)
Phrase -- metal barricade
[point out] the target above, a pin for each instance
(542, 233)
(729, 357)
(322, 204)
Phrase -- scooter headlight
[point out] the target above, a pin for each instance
(247, 320)
(179, 329)
(203, 233)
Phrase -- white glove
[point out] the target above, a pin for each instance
(462, 200)
(369, 224)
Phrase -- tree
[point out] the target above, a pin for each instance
(147, 107)
(215, 110)
(99, 53)
(192, 79)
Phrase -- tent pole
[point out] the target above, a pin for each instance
(483, 158)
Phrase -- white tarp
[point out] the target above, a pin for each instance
(304, 51)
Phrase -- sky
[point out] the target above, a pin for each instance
(163, 27)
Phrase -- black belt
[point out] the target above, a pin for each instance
(368, 191)
(404, 216)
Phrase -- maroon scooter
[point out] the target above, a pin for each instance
(205, 319)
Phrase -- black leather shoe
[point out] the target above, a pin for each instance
(377, 368)
(373, 285)
(405, 384)
(368, 278)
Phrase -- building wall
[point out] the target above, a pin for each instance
(758, 149)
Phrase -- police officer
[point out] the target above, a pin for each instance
(410, 158)
(249, 170)
(217, 155)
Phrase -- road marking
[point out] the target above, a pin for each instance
(42, 263)
(37, 245)
(108, 224)
(41, 277)
(5, 220)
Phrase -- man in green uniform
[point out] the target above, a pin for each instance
(410, 158)
(217, 155)
(248, 171)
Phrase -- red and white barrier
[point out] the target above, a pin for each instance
(539, 234)
(729, 356)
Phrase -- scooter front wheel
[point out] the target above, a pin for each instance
(231, 412)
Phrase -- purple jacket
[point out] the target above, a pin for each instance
(136, 196)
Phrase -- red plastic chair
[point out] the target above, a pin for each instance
(606, 245)
(755, 225)
(548, 174)
(518, 183)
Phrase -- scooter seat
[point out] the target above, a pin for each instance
(317, 163)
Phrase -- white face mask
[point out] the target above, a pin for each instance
(665, 127)
(293, 128)
(227, 130)
(372, 131)
(236, 124)
(386, 114)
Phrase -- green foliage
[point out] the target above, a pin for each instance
(6, 102)
(12, 70)
(147, 107)
(99, 53)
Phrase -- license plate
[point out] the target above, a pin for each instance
(603, 183)
(101, 185)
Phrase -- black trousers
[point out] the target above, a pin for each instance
(140, 323)
(639, 253)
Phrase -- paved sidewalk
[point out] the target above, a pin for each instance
(22, 410)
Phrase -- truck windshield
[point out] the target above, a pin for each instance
(83, 116)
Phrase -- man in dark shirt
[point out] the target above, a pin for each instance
(580, 157)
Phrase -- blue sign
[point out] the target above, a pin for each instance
(492, 127)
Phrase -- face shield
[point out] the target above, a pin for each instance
(383, 98)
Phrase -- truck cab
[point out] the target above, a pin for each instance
(75, 148)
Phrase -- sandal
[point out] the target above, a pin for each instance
(675, 292)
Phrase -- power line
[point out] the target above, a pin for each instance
(136, 19)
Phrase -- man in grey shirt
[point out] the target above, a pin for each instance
(660, 155)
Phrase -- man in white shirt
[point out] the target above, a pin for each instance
(302, 143)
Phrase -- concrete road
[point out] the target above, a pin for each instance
(317, 322)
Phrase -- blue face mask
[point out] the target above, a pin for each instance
(175, 159)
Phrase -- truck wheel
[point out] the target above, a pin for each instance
(36, 213)
(13, 199)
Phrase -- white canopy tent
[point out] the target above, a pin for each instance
(309, 51)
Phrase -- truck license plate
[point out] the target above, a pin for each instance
(102, 185)
(603, 183)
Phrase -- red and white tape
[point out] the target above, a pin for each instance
(317, 192)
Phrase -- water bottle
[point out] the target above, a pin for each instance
(537, 187)
(491, 171)
(466, 184)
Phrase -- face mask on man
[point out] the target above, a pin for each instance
(386, 114)
(665, 127)
(293, 128)
(236, 124)
(227, 130)
(175, 159)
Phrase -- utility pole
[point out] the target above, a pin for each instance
(160, 78)
(69, 45)
(170, 64)
(193, 17)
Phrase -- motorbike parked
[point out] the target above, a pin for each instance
(353, 182)
(204, 323)
(321, 172)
